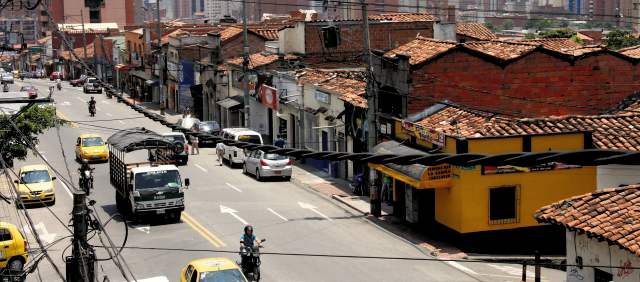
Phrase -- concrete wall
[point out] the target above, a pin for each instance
(616, 175)
(291, 40)
(599, 253)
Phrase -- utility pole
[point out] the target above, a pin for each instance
(372, 133)
(160, 62)
(245, 65)
(80, 266)
(84, 38)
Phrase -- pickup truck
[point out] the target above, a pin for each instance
(152, 188)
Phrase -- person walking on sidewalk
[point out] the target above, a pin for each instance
(220, 152)
(195, 150)
(386, 189)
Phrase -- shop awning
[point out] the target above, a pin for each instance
(141, 74)
(230, 103)
(416, 175)
(122, 67)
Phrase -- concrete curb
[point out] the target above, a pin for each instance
(342, 200)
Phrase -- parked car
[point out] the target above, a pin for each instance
(31, 90)
(208, 127)
(78, 82)
(92, 85)
(188, 122)
(264, 165)
(181, 157)
(15, 249)
(55, 75)
(7, 78)
(234, 154)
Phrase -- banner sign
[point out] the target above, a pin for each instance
(269, 96)
(423, 133)
(486, 169)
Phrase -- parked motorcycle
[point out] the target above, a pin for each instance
(250, 261)
(357, 184)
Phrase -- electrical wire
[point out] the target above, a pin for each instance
(33, 229)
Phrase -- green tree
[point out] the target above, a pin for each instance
(557, 33)
(531, 35)
(490, 26)
(618, 39)
(507, 24)
(31, 123)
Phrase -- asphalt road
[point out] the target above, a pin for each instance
(219, 203)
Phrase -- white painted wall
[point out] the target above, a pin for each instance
(616, 175)
(291, 40)
(598, 253)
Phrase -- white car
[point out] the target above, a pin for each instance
(92, 85)
(234, 154)
(7, 78)
(264, 165)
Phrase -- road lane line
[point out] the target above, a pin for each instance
(233, 187)
(109, 115)
(122, 122)
(277, 214)
(82, 100)
(313, 209)
(66, 188)
(201, 168)
(462, 267)
(62, 116)
(195, 225)
(98, 108)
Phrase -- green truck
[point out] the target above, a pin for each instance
(153, 188)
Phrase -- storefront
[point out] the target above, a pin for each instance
(230, 112)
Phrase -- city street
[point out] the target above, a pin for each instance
(219, 203)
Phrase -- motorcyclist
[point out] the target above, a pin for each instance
(92, 106)
(58, 83)
(85, 175)
(248, 239)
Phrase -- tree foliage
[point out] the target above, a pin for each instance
(617, 39)
(31, 123)
(557, 33)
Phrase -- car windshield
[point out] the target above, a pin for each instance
(255, 139)
(158, 179)
(92, 80)
(27, 88)
(275, 157)
(178, 138)
(35, 176)
(189, 122)
(228, 275)
(209, 126)
(92, 141)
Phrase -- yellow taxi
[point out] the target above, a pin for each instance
(16, 74)
(36, 185)
(91, 147)
(212, 269)
(13, 247)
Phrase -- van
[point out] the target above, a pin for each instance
(234, 154)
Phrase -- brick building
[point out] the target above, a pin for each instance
(524, 79)
(122, 12)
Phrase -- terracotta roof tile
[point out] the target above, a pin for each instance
(501, 49)
(609, 131)
(421, 49)
(633, 51)
(475, 30)
(403, 17)
(555, 44)
(350, 86)
(255, 60)
(267, 33)
(598, 215)
(229, 32)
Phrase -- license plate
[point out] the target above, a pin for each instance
(159, 211)
(278, 172)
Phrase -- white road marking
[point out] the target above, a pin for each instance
(154, 279)
(109, 115)
(66, 189)
(41, 229)
(232, 212)
(277, 214)
(122, 122)
(462, 267)
(233, 187)
(313, 209)
(202, 168)
(64, 103)
(98, 108)
(104, 102)
(143, 228)
(83, 100)
(511, 270)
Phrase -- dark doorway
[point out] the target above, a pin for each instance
(294, 143)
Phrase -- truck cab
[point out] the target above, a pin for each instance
(156, 190)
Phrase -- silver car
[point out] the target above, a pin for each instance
(7, 78)
(264, 165)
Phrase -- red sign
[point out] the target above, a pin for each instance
(269, 97)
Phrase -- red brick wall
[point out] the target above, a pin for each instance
(233, 47)
(383, 36)
(590, 86)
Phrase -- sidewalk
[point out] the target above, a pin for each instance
(339, 190)
(169, 115)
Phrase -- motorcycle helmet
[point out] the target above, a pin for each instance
(247, 228)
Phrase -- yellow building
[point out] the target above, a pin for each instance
(482, 208)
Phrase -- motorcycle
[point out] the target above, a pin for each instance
(250, 261)
(5, 87)
(92, 110)
(86, 180)
(59, 85)
(357, 185)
